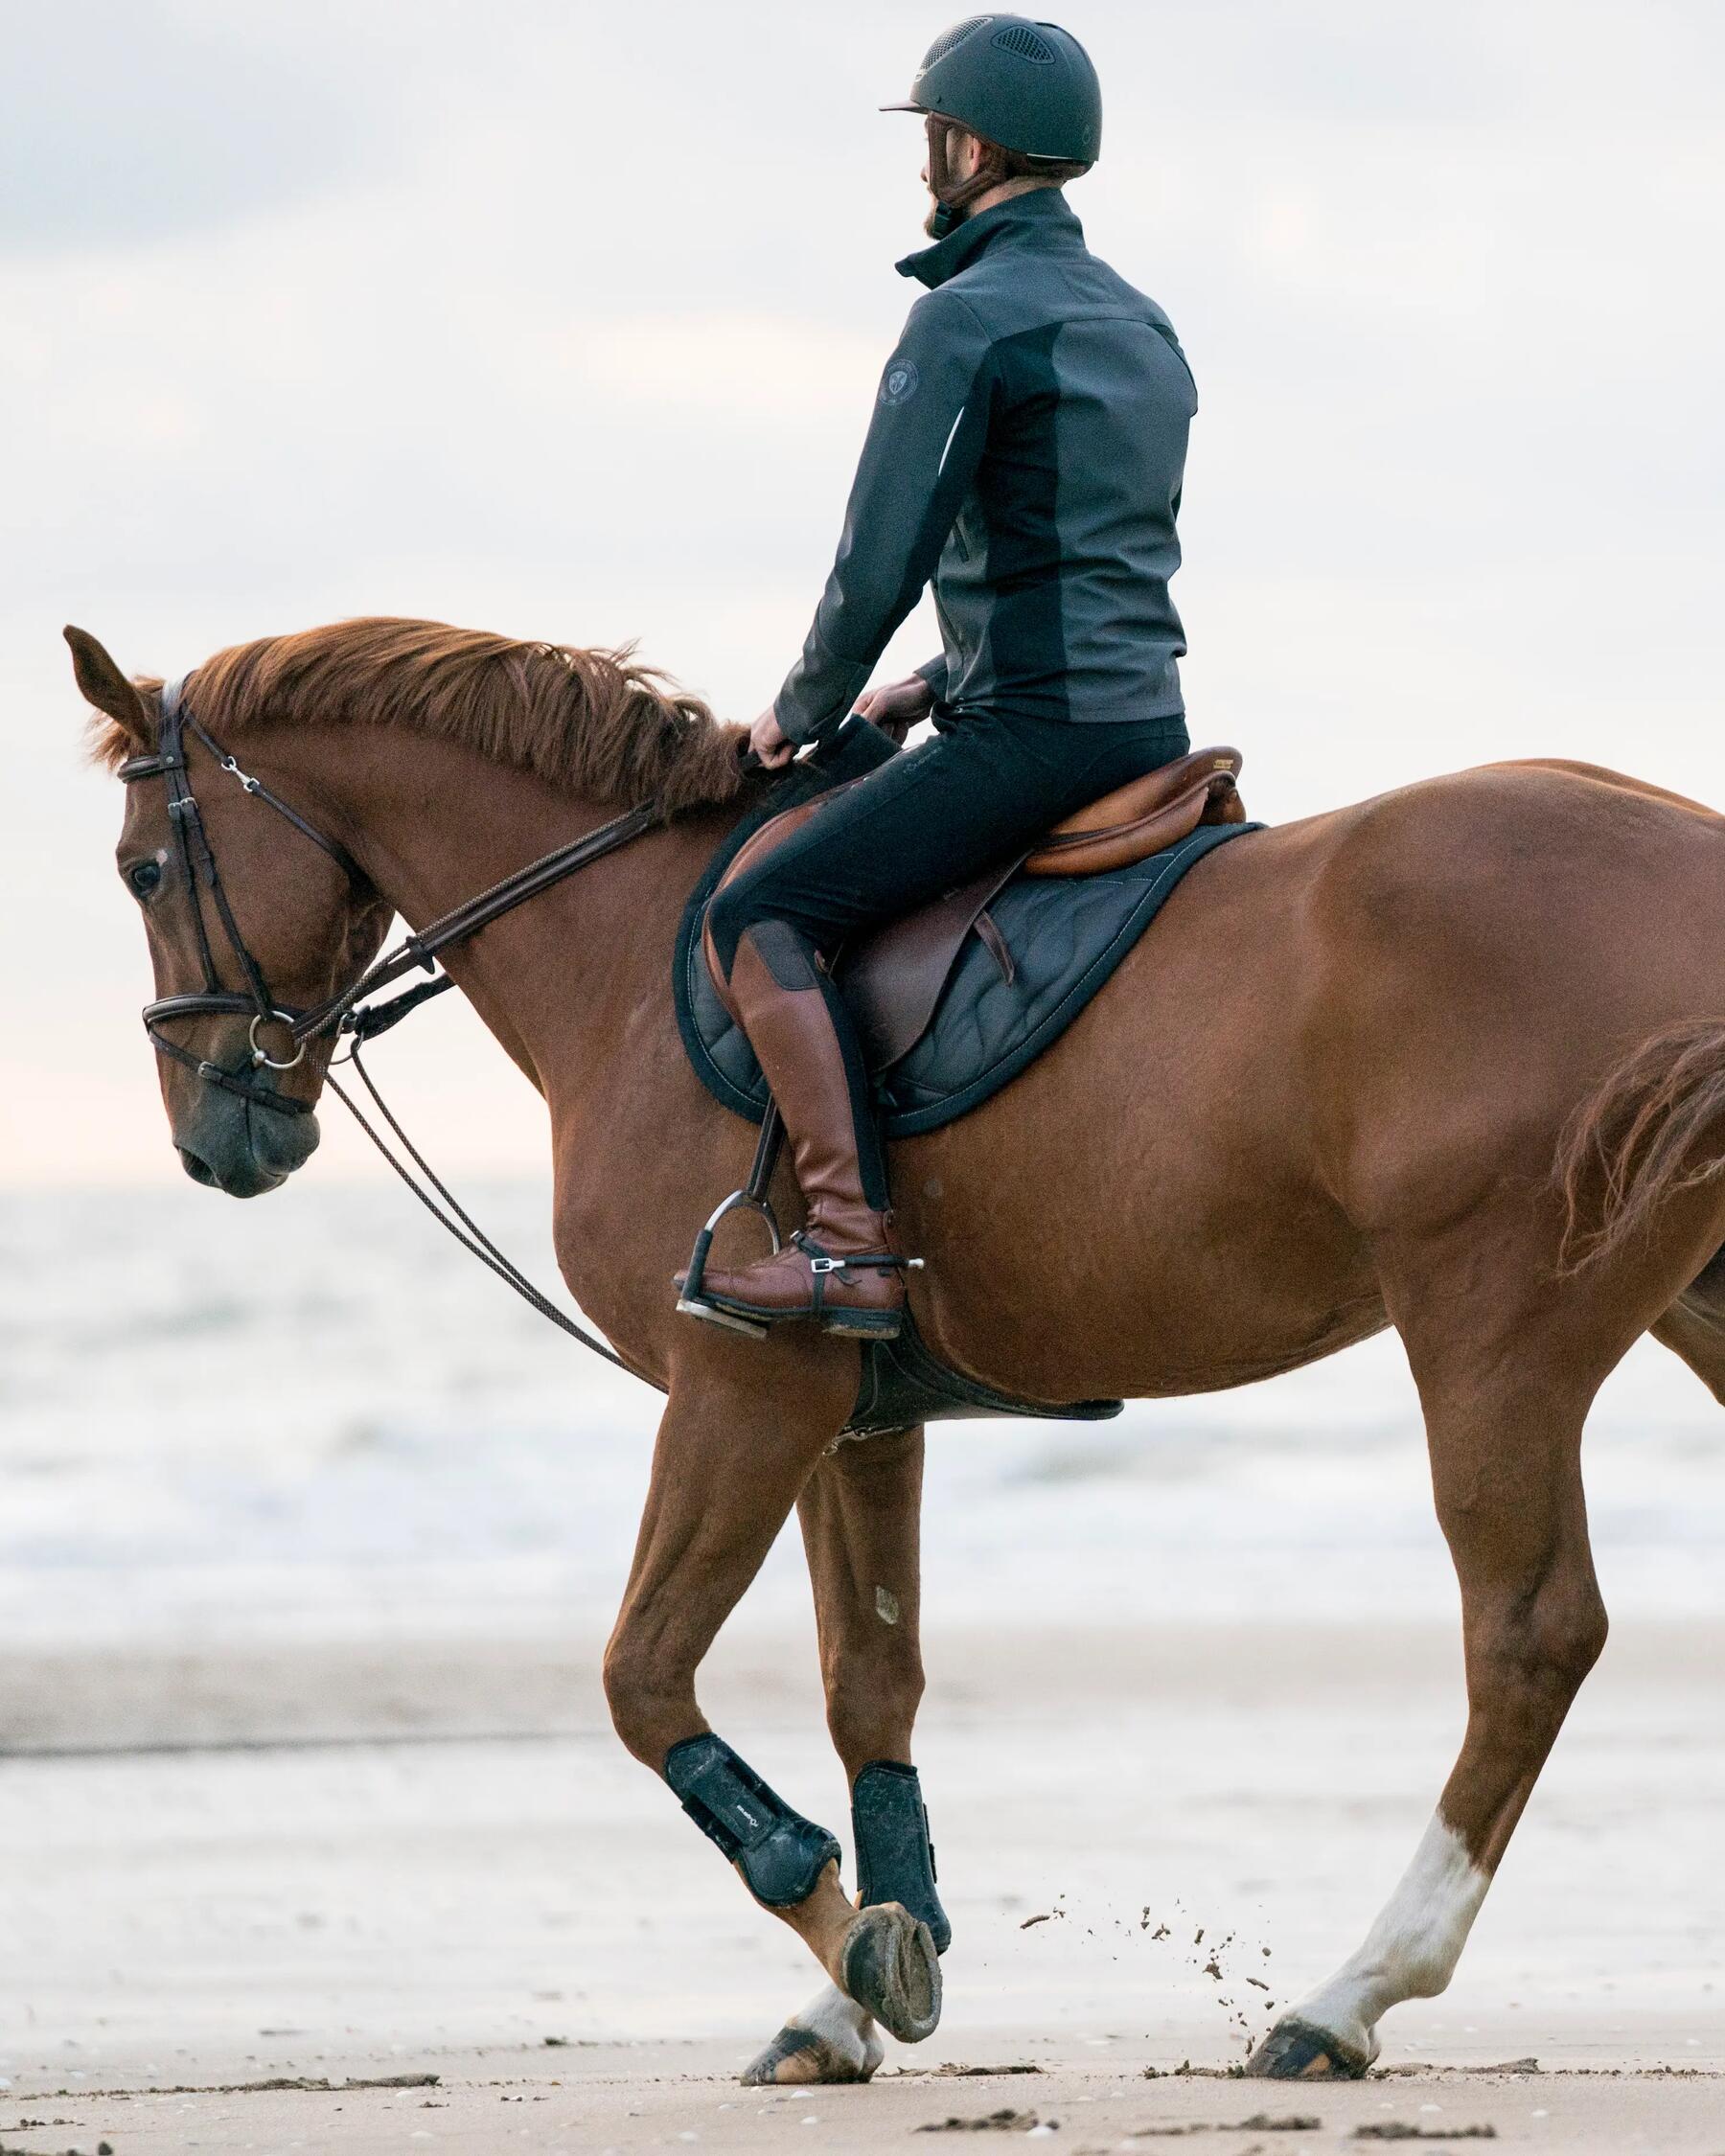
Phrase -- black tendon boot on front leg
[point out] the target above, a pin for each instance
(780, 1854)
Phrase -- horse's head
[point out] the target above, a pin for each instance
(239, 907)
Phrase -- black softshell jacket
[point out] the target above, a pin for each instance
(1027, 452)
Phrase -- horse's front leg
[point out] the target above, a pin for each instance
(1505, 1431)
(742, 1432)
(861, 1515)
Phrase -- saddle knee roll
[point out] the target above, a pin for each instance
(780, 1854)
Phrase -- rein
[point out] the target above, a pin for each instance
(349, 1011)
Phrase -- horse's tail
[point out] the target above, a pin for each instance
(1654, 1127)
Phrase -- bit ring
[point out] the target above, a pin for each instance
(263, 1061)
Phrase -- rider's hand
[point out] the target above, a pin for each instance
(771, 747)
(896, 708)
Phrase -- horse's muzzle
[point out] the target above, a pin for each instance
(241, 1147)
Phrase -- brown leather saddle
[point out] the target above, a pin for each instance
(893, 978)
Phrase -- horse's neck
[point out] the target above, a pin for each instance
(557, 978)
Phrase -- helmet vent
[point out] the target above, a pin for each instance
(1020, 38)
(951, 41)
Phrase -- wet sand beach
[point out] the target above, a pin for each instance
(306, 1773)
(383, 1865)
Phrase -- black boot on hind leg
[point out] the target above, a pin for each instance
(884, 1958)
(895, 1858)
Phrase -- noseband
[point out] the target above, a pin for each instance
(350, 1010)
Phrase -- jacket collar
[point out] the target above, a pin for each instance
(1040, 218)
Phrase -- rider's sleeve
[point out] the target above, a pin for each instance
(930, 422)
(934, 673)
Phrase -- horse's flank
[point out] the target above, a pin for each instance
(595, 723)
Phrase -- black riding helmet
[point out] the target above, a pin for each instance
(1027, 86)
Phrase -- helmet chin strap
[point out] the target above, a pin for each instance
(953, 199)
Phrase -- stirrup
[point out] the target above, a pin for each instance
(691, 1301)
(753, 1198)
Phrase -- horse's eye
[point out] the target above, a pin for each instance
(145, 878)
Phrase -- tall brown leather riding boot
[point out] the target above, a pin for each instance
(839, 1268)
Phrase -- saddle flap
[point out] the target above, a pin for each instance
(898, 975)
(1145, 816)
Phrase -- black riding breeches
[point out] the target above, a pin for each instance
(932, 817)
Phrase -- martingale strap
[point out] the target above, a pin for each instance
(461, 923)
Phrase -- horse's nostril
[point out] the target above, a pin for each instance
(198, 1170)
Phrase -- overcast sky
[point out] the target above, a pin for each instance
(566, 319)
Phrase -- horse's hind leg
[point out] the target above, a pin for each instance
(861, 1515)
(1503, 1423)
(738, 1439)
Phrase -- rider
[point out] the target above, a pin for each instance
(1026, 453)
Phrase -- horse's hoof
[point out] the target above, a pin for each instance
(890, 1966)
(1299, 2051)
(797, 2056)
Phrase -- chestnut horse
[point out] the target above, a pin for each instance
(1450, 1059)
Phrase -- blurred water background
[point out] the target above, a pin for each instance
(315, 1416)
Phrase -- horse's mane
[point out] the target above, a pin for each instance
(597, 722)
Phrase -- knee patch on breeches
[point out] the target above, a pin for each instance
(780, 1854)
(895, 1858)
(785, 954)
(740, 909)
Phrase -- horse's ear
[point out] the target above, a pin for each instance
(102, 685)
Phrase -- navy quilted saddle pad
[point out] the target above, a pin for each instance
(1067, 934)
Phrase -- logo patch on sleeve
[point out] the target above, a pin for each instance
(898, 385)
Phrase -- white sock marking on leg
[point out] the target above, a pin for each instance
(841, 2023)
(1412, 1950)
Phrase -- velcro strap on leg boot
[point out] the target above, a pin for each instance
(895, 1858)
(780, 1854)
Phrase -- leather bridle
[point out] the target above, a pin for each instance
(349, 1011)
(199, 875)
